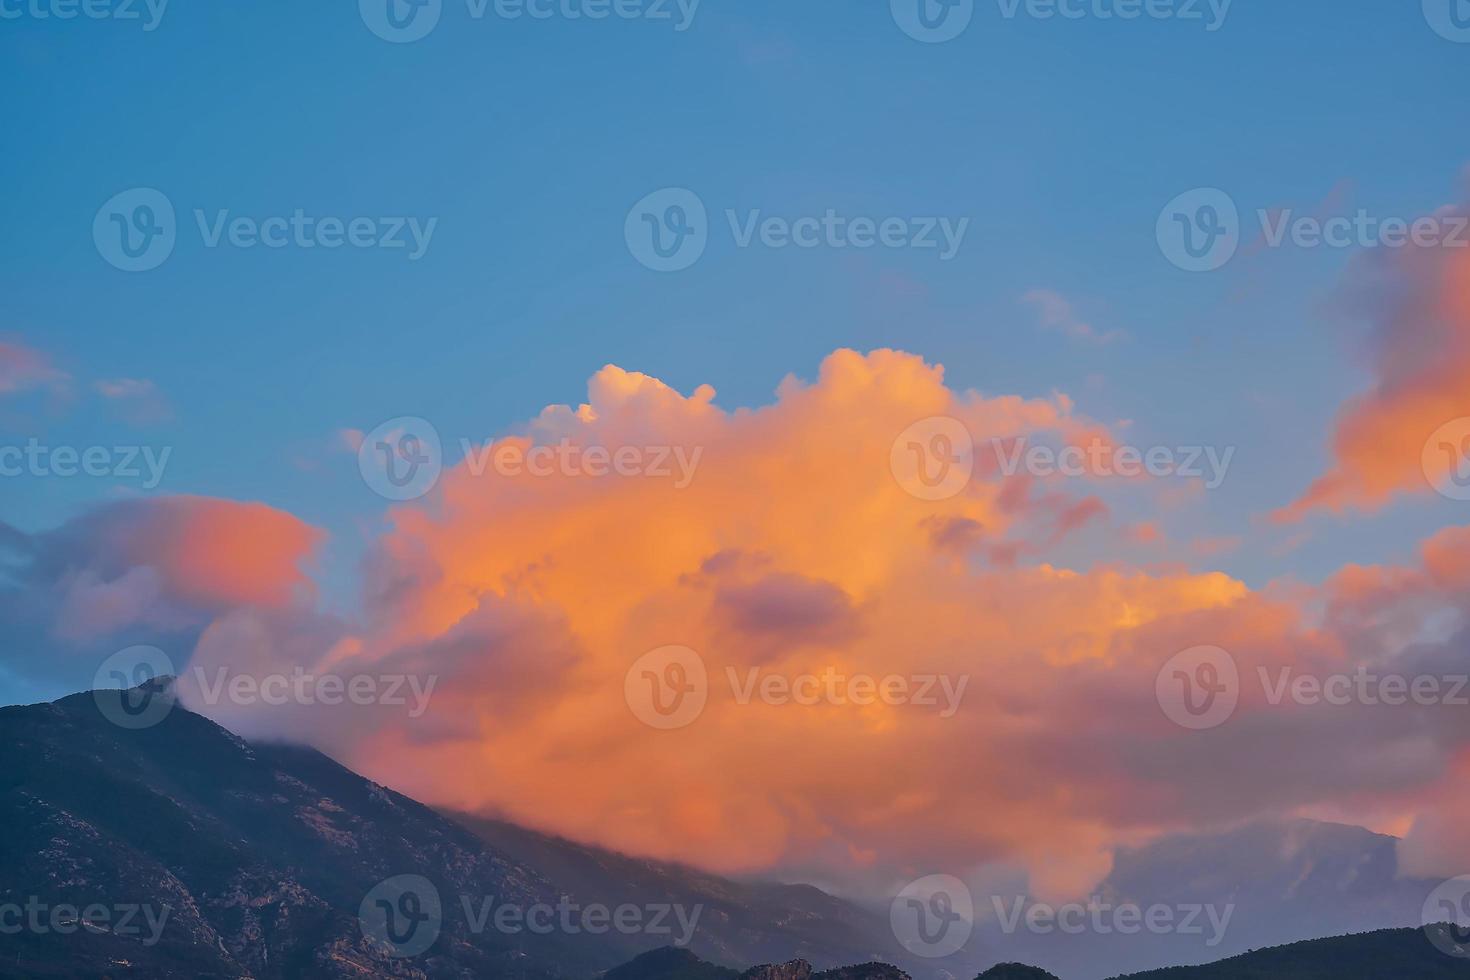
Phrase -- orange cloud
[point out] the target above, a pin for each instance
(199, 552)
(794, 559)
(1421, 363)
(793, 552)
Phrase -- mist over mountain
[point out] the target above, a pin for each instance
(178, 849)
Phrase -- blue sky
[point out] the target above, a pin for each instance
(529, 140)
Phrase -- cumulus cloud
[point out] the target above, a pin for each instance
(795, 552)
(153, 571)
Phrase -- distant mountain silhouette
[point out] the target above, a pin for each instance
(1281, 881)
(1388, 954)
(670, 963)
(680, 964)
(1015, 971)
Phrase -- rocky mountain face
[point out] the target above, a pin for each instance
(196, 854)
(740, 923)
(679, 964)
(179, 850)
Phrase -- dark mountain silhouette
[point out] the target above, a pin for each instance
(1015, 971)
(263, 855)
(680, 964)
(1388, 954)
(670, 963)
(741, 922)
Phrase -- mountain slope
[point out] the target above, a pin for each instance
(1388, 954)
(741, 922)
(262, 855)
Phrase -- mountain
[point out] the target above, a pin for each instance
(670, 963)
(179, 850)
(681, 964)
(1015, 971)
(741, 922)
(1255, 886)
(265, 856)
(1388, 954)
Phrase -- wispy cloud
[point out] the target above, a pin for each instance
(1055, 312)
